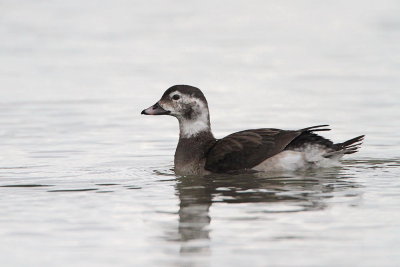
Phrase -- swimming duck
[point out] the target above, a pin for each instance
(266, 149)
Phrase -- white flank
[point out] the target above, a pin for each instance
(311, 157)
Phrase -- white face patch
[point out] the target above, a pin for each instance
(199, 120)
(201, 123)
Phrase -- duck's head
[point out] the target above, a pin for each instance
(187, 104)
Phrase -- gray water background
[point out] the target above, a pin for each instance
(86, 181)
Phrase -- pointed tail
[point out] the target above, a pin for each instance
(348, 147)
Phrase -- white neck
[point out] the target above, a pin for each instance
(190, 128)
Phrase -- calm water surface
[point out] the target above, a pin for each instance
(86, 181)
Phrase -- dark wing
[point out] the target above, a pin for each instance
(308, 137)
(246, 149)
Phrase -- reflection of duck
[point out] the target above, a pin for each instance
(305, 191)
(267, 149)
(195, 201)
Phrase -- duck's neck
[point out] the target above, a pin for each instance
(195, 139)
(190, 154)
(190, 127)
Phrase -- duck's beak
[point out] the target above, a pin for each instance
(156, 109)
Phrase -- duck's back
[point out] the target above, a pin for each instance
(246, 149)
(270, 149)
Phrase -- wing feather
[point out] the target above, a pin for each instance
(246, 149)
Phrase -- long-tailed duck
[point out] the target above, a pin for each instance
(266, 149)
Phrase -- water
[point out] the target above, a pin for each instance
(86, 181)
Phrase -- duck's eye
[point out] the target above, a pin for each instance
(175, 97)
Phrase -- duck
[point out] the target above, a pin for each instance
(255, 150)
